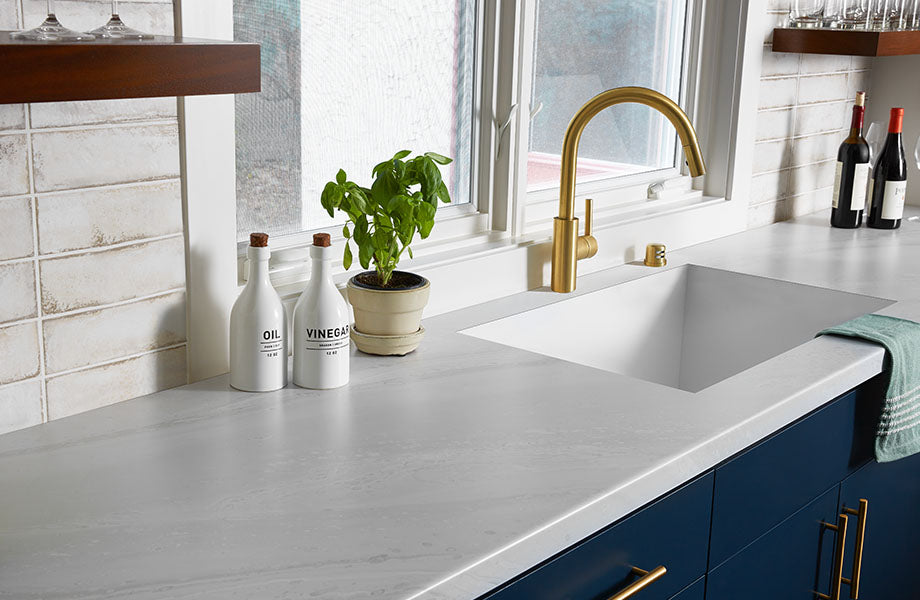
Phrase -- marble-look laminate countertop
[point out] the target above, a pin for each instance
(438, 475)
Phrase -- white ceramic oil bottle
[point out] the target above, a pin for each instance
(321, 325)
(258, 327)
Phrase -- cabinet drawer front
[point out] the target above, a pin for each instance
(891, 550)
(697, 591)
(766, 483)
(787, 563)
(673, 532)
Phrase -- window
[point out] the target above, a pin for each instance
(583, 47)
(345, 84)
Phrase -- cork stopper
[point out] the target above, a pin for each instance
(860, 98)
(322, 239)
(258, 240)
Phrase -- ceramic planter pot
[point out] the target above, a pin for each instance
(388, 320)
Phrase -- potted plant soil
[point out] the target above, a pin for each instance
(383, 221)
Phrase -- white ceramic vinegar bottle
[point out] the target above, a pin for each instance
(321, 325)
(258, 327)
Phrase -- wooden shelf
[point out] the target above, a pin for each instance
(854, 43)
(105, 69)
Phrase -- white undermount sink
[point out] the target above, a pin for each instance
(688, 327)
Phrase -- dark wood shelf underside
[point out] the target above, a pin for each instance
(854, 43)
(107, 69)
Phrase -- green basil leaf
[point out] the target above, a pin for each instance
(340, 177)
(346, 261)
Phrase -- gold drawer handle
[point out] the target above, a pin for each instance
(861, 515)
(837, 574)
(645, 578)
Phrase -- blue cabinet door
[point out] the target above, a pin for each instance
(891, 548)
(789, 562)
(672, 532)
(697, 591)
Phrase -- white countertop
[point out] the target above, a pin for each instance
(438, 475)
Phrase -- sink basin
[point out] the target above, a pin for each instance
(687, 328)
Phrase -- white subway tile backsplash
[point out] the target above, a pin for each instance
(824, 63)
(9, 14)
(811, 177)
(778, 63)
(17, 290)
(64, 114)
(20, 352)
(776, 93)
(815, 148)
(16, 219)
(775, 124)
(102, 335)
(109, 276)
(14, 165)
(12, 116)
(822, 118)
(822, 88)
(20, 405)
(769, 187)
(82, 158)
(105, 216)
(100, 386)
(858, 63)
(766, 214)
(858, 81)
(772, 156)
(809, 202)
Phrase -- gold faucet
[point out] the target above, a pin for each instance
(568, 246)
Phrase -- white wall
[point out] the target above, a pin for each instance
(895, 83)
(92, 258)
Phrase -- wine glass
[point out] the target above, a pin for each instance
(51, 30)
(874, 137)
(806, 13)
(115, 28)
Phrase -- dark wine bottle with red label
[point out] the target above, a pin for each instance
(889, 179)
(852, 177)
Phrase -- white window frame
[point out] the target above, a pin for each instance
(489, 240)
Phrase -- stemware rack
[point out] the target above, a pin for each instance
(107, 69)
(851, 42)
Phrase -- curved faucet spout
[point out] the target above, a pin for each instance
(568, 246)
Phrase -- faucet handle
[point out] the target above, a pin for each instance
(586, 245)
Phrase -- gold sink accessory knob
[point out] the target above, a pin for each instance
(655, 255)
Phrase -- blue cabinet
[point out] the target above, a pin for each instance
(764, 525)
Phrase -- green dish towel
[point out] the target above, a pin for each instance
(898, 433)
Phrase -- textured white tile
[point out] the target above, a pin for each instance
(822, 88)
(775, 124)
(154, 17)
(811, 177)
(100, 217)
(824, 63)
(776, 93)
(16, 220)
(768, 187)
(14, 165)
(18, 352)
(9, 17)
(95, 278)
(766, 214)
(60, 114)
(809, 202)
(860, 62)
(821, 118)
(778, 63)
(771, 156)
(815, 148)
(859, 81)
(83, 158)
(771, 21)
(100, 386)
(12, 116)
(20, 405)
(103, 335)
(779, 5)
(17, 300)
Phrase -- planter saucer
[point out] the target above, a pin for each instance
(387, 345)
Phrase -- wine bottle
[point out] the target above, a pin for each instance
(258, 327)
(322, 330)
(852, 172)
(889, 179)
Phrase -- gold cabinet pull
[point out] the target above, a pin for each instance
(861, 515)
(645, 578)
(837, 574)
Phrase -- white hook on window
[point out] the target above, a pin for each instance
(536, 110)
(504, 126)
